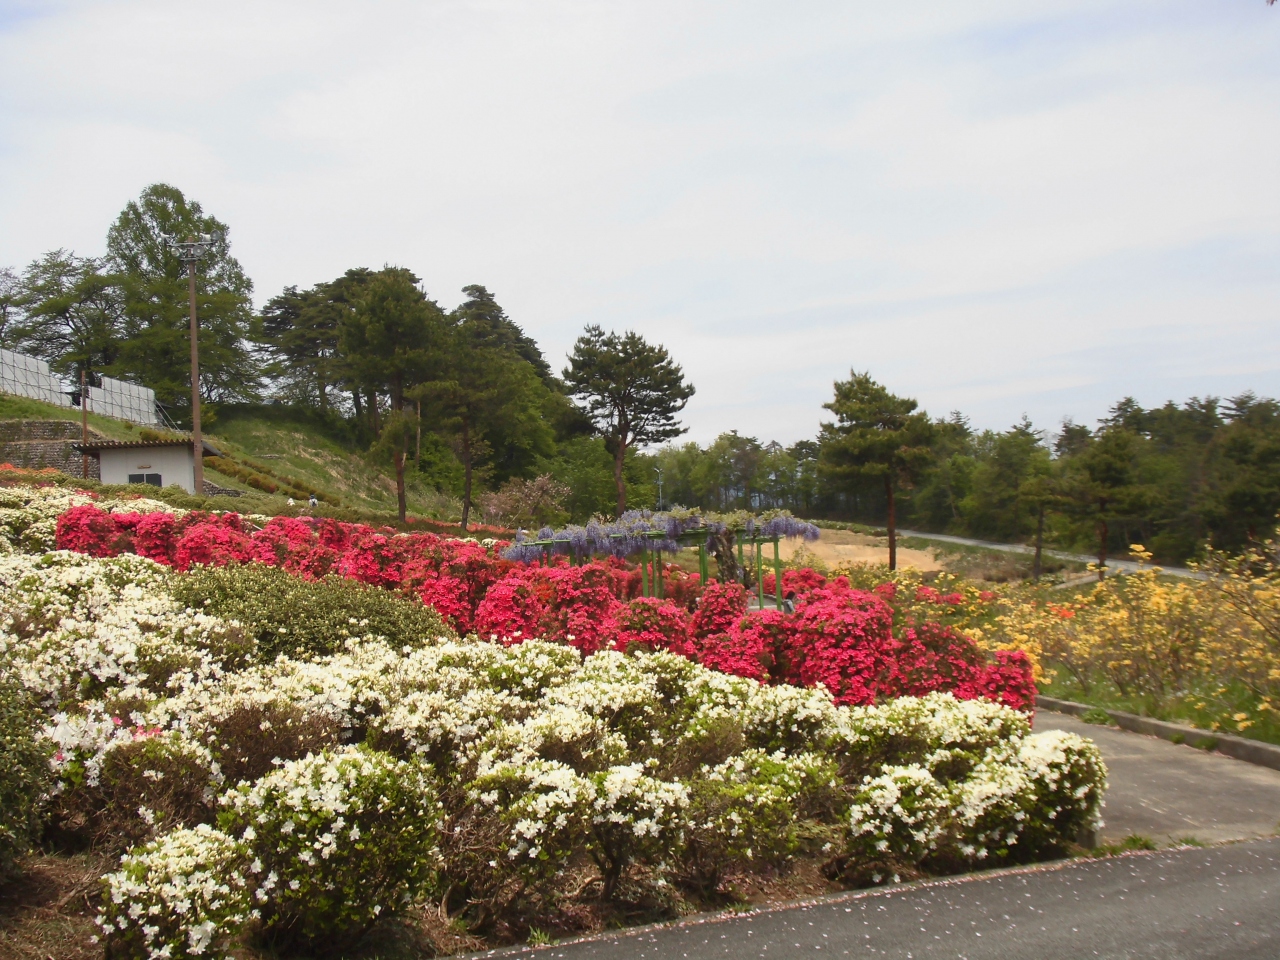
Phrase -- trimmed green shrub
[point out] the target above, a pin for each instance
(337, 840)
(24, 774)
(301, 618)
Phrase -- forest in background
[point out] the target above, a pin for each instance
(464, 402)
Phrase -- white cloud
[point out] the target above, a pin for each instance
(991, 207)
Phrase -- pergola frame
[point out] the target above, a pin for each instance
(651, 559)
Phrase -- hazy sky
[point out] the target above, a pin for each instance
(994, 206)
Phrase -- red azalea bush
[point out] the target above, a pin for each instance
(648, 623)
(721, 607)
(794, 582)
(87, 529)
(863, 645)
(510, 612)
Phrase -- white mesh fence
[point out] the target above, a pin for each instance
(28, 377)
(125, 401)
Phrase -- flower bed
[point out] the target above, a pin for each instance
(862, 645)
(513, 784)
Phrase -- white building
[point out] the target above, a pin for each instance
(160, 463)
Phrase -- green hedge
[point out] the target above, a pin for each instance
(24, 774)
(287, 614)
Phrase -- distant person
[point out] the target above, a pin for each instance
(291, 501)
(314, 502)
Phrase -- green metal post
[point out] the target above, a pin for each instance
(659, 588)
(777, 572)
(644, 573)
(741, 566)
(759, 574)
(702, 563)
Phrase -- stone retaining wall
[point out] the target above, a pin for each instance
(41, 444)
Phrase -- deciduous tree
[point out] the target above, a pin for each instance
(153, 288)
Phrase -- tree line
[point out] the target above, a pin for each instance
(463, 401)
(461, 398)
(1174, 478)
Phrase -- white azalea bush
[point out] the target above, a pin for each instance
(182, 896)
(750, 810)
(29, 516)
(335, 839)
(297, 792)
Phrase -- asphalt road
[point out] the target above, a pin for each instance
(1218, 902)
(1125, 566)
(1168, 791)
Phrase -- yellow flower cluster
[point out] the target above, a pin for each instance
(1159, 639)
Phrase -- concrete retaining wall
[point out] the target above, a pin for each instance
(1251, 751)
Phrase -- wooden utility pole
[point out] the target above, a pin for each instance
(197, 442)
(189, 252)
(84, 420)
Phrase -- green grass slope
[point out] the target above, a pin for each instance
(290, 443)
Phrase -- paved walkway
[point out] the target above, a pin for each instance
(1167, 791)
(1222, 902)
(1215, 902)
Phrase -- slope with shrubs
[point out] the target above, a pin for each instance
(291, 449)
(287, 764)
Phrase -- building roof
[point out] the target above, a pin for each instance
(97, 446)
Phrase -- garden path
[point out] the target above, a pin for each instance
(1167, 791)
(1179, 904)
(1219, 902)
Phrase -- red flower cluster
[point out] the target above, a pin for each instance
(451, 575)
(863, 646)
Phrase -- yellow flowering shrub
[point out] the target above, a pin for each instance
(1206, 650)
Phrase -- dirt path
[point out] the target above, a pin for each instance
(841, 546)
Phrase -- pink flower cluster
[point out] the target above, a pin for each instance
(863, 646)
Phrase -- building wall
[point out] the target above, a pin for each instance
(174, 464)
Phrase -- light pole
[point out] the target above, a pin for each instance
(189, 252)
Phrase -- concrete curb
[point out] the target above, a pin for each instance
(1250, 751)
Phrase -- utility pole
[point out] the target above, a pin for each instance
(84, 420)
(189, 253)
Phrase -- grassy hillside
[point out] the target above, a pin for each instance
(286, 443)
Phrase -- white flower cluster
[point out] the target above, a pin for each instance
(76, 629)
(982, 782)
(29, 516)
(176, 897)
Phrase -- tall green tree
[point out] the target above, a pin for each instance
(1105, 485)
(1246, 502)
(72, 314)
(995, 506)
(391, 341)
(490, 324)
(299, 331)
(153, 288)
(632, 391)
(879, 435)
(481, 391)
(10, 308)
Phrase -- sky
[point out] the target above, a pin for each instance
(997, 207)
